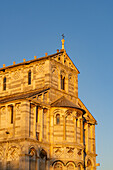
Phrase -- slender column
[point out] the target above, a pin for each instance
(75, 135)
(47, 123)
(93, 138)
(87, 137)
(48, 98)
(6, 116)
(42, 125)
(64, 128)
(48, 164)
(81, 131)
(34, 122)
(66, 83)
(25, 118)
(59, 81)
(51, 168)
(78, 130)
(38, 164)
(24, 162)
(14, 117)
(51, 133)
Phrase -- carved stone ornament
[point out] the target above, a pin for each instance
(3, 109)
(1, 153)
(17, 107)
(15, 75)
(58, 152)
(80, 152)
(70, 152)
(71, 78)
(54, 70)
(13, 153)
(40, 67)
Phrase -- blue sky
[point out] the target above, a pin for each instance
(29, 28)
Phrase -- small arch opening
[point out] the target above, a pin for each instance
(4, 83)
(58, 166)
(58, 119)
(89, 164)
(29, 77)
(62, 82)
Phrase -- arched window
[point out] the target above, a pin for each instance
(37, 114)
(29, 77)
(62, 82)
(4, 83)
(11, 114)
(32, 159)
(89, 164)
(58, 119)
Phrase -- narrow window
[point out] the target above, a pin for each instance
(37, 136)
(76, 123)
(36, 114)
(4, 83)
(62, 82)
(11, 114)
(29, 77)
(58, 119)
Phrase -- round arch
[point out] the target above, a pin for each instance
(70, 165)
(58, 161)
(80, 166)
(71, 162)
(89, 162)
(58, 165)
(32, 151)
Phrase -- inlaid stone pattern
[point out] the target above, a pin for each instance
(43, 123)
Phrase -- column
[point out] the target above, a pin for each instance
(48, 164)
(47, 124)
(42, 125)
(25, 119)
(51, 168)
(14, 119)
(34, 122)
(75, 135)
(59, 80)
(93, 138)
(66, 83)
(81, 130)
(87, 137)
(64, 129)
(38, 163)
(7, 122)
(24, 162)
(51, 134)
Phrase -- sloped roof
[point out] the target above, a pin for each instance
(37, 59)
(30, 61)
(21, 96)
(64, 102)
(87, 111)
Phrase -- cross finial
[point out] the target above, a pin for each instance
(63, 41)
(63, 36)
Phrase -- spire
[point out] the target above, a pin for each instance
(63, 41)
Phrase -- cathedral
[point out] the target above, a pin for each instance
(43, 123)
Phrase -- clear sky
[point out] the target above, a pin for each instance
(33, 27)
